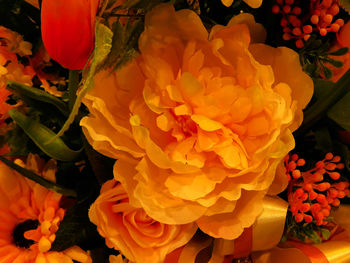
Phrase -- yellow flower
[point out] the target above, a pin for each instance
(251, 3)
(199, 122)
(30, 216)
(130, 230)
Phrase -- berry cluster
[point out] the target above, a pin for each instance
(299, 25)
(311, 197)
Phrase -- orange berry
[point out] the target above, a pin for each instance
(276, 9)
(306, 37)
(292, 165)
(334, 175)
(319, 216)
(299, 43)
(305, 207)
(304, 196)
(287, 37)
(294, 157)
(340, 166)
(322, 186)
(299, 192)
(314, 19)
(308, 218)
(333, 193)
(307, 29)
(296, 174)
(336, 159)
(320, 164)
(323, 32)
(336, 202)
(325, 212)
(315, 207)
(331, 166)
(307, 187)
(299, 218)
(329, 156)
(328, 19)
(327, 3)
(317, 177)
(334, 9)
(335, 27)
(341, 194)
(301, 162)
(340, 22)
(341, 185)
(321, 199)
(313, 195)
(296, 31)
(293, 208)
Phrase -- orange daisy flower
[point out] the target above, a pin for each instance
(30, 216)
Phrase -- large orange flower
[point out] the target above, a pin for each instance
(130, 230)
(30, 216)
(199, 122)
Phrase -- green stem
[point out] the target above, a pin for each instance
(73, 85)
(320, 107)
(38, 179)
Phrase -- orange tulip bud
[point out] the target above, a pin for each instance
(68, 30)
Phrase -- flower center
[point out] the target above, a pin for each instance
(20, 229)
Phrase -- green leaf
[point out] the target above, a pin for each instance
(76, 228)
(340, 112)
(325, 233)
(38, 179)
(124, 44)
(327, 72)
(335, 63)
(103, 44)
(323, 140)
(37, 95)
(345, 4)
(339, 52)
(322, 88)
(320, 108)
(314, 237)
(40, 135)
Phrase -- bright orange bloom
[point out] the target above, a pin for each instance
(12, 44)
(130, 230)
(200, 121)
(68, 30)
(30, 216)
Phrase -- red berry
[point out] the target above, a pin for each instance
(299, 218)
(276, 9)
(299, 43)
(308, 218)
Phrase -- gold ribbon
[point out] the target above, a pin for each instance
(335, 250)
(264, 234)
(260, 241)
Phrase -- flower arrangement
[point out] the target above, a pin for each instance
(183, 131)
